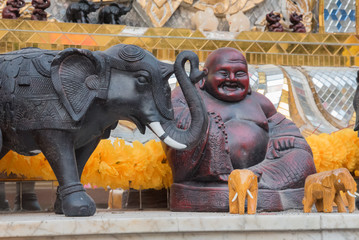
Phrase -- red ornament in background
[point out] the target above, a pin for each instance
(39, 11)
(273, 24)
(297, 24)
(12, 9)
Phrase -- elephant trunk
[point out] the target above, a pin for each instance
(168, 131)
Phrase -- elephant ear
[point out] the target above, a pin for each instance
(76, 76)
(329, 181)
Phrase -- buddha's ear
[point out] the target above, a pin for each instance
(203, 80)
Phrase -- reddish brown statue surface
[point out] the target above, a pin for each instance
(245, 132)
(12, 9)
(39, 9)
(297, 24)
(273, 24)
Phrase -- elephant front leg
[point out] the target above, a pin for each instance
(340, 204)
(252, 201)
(233, 198)
(58, 148)
(308, 202)
(82, 155)
(328, 199)
(351, 202)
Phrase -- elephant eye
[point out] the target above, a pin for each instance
(142, 80)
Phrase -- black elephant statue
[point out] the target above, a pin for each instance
(63, 103)
(77, 12)
(111, 14)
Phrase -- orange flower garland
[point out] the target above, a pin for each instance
(116, 165)
(336, 150)
(119, 165)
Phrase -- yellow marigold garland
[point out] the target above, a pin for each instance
(336, 150)
(119, 165)
(116, 165)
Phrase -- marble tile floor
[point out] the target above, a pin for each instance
(163, 224)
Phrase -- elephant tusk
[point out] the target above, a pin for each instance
(235, 197)
(249, 193)
(158, 130)
(350, 194)
(357, 194)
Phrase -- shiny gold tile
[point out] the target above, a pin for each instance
(103, 40)
(341, 37)
(287, 37)
(197, 34)
(10, 37)
(322, 50)
(209, 46)
(163, 44)
(265, 36)
(175, 42)
(331, 39)
(333, 49)
(298, 37)
(241, 46)
(38, 25)
(275, 48)
(65, 27)
(150, 42)
(186, 45)
(352, 39)
(25, 25)
(51, 27)
(102, 29)
(198, 43)
(276, 36)
(112, 28)
(267, 47)
(299, 49)
(134, 40)
(243, 36)
(320, 37)
(77, 28)
(11, 23)
(309, 38)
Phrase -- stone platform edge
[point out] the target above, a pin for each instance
(125, 223)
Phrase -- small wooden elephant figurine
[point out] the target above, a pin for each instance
(322, 189)
(242, 184)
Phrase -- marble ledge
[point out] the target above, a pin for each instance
(154, 224)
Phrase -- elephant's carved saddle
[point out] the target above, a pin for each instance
(27, 95)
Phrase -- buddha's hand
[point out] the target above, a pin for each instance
(278, 145)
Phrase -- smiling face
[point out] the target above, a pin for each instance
(227, 77)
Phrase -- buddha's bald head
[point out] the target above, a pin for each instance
(227, 75)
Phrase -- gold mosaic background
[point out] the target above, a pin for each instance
(293, 49)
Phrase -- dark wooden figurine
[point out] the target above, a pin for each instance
(64, 102)
(297, 24)
(39, 9)
(273, 24)
(111, 14)
(12, 9)
(245, 132)
(78, 11)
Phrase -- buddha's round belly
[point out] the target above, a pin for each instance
(247, 143)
